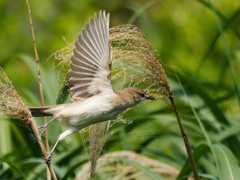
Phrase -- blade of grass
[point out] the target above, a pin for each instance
(229, 169)
(234, 130)
(13, 166)
(198, 152)
(29, 61)
(210, 48)
(151, 174)
(71, 170)
(235, 15)
(39, 171)
(122, 133)
(32, 97)
(234, 75)
(195, 87)
(201, 125)
(48, 86)
(207, 176)
(139, 10)
(5, 137)
(184, 136)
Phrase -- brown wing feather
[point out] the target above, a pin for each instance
(91, 63)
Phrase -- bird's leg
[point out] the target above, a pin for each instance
(69, 131)
(45, 125)
(48, 159)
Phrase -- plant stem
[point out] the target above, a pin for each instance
(185, 138)
(33, 126)
(39, 81)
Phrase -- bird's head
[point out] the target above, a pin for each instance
(132, 96)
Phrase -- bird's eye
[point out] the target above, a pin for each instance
(143, 95)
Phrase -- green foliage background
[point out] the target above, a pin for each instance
(193, 52)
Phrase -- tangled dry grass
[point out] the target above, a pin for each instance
(97, 138)
(135, 62)
(110, 167)
(11, 104)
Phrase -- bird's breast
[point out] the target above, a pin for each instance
(93, 110)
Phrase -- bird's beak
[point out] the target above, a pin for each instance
(149, 97)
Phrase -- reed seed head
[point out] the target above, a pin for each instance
(135, 62)
(11, 104)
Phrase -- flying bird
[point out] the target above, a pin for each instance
(94, 99)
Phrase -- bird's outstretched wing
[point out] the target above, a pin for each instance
(91, 62)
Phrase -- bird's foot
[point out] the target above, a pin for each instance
(39, 127)
(44, 128)
(48, 158)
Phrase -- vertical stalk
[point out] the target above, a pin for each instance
(39, 82)
(33, 126)
(185, 138)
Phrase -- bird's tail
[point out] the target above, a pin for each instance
(40, 111)
(47, 110)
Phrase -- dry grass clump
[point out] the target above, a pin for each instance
(135, 62)
(62, 59)
(97, 138)
(11, 103)
(12, 106)
(111, 168)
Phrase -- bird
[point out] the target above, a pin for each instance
(93, 97)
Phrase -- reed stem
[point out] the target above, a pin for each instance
(33, 126)
(185, 138)
(39, 82)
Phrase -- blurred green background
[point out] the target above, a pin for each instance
(191, 47)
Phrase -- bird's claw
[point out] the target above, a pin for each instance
(43, 131)
(44, 127)
(39, 127)
(47, 159)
